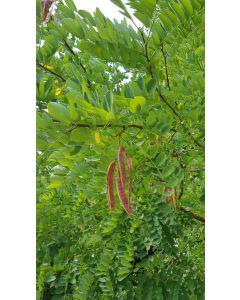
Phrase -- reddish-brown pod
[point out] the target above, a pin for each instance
(46, 6)
(173, 198)
(168, 198)
(110, 185)
(121, 160)
(129, 164)
(122, 196)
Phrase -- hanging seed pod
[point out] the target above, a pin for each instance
(122, 195)
(171, 199)
(121, 160)
(168, 198)
(110, 185)
(129, 163)
(46, 6)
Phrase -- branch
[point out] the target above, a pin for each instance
(172, 136)
(105, 126)
(50, 71)
(169, 105)
(69, 48)
(181, 190)
(130, 17)
(74, 54)
(166, 68)
(146, 53)
(150, 70)
(180, 118)
(196, 142)
(160, 94)
(187, 211)
(142, 34)
(192, 214)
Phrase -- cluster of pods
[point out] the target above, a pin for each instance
(121, 181)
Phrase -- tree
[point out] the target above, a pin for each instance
(103, 84)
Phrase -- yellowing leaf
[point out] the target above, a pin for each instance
(136, 104)
(56, 182)
(55, 81)
(48, 67)
(58, 91)
(54, 185)
(97, 137)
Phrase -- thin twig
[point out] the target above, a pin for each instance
(180, 118)
(192, 214)
(124, 127)
(155, 50)
(151, 73)
(120, 132)
(166, 68)
(74, 54)
(171, 137)
(181, 190)
(50, 71)
(69, 48)
(169, 105)
(81, 64)
(104, 126)
(160, 94)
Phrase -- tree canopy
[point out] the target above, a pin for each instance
(105, 86)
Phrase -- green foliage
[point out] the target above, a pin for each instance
(101, 84)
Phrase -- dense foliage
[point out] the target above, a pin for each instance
(102, 84)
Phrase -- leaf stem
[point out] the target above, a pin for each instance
(50, 71)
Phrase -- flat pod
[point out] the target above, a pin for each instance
(110, 185)
(122, 196)
(129, 164)
(173, 198)
(121, 160)
(168, 198)
(46, 5)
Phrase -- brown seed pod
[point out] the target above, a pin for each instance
(110, 185)
(173, 198)
(121, 160)
(122, 195)
(167, 197)
(129, 163)
(46, 6)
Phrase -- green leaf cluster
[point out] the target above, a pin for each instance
(137, 86)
